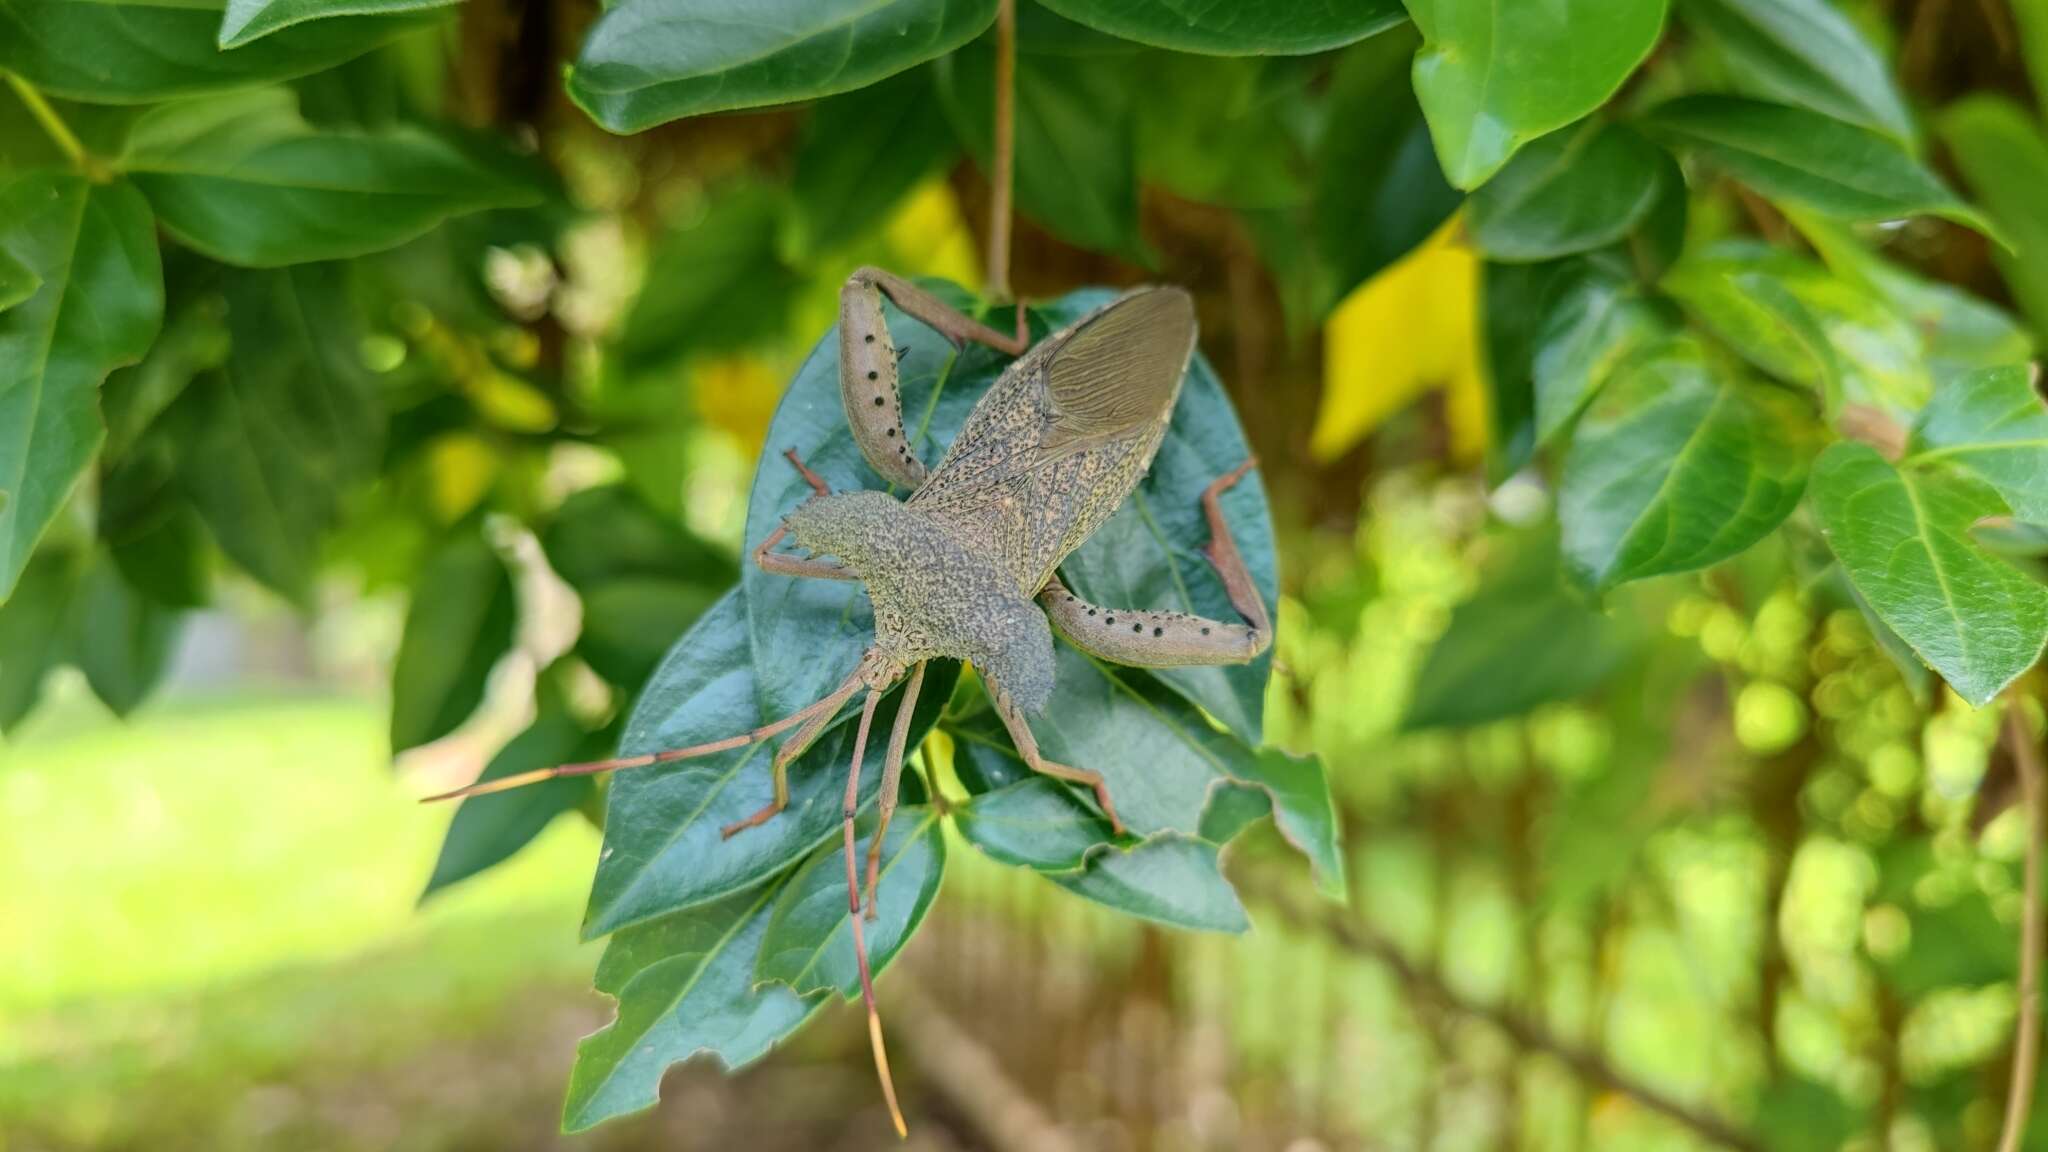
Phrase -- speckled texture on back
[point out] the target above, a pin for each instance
(1047, 455)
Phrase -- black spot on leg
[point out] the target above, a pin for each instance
(1156, 632)
(1110, 620)
(1091, 611)
(878, 401)
(1205, 631)
(1136, 628)
(873, 375)
(868, 339)
(891, 433)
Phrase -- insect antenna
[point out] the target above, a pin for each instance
(831, 702)
(860, 943)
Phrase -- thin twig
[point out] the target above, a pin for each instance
(973, 1080)
(1353, 935)
(59, 132)
(2026, 1044)
(1002, 172)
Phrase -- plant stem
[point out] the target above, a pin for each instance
(52, 123)
(2026, 755)
(1002, 171)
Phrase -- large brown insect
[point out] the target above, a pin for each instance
(966, 568)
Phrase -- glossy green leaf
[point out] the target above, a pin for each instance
(1170, 878)
(98, 306)
(119, 639)
(1804, 52)
(1903, 536)
(714, 283)
(1597, 323)
(1571, 191)
(1493, 77)
(1809, 159)
(860, 154)
(1265, 27)
(1515, 307)
(32, 631)
(1681, 461)
(271, 442)
(247, 181)
(1032, 822)
(1076, 130)
(1147, 556)
(646, 62)
(1800, 322)
(2003, 154)
(1992, 424)
(685, 984)
(1519, 642)
(488, 829)
(139, 51)
(663, 848)
(18, 281)
(460, 621)
(643, 579)
(809, 945)
(246, 20)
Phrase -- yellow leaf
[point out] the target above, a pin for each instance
(460, 468)
(927, 236)
(737, 394)
(1411, 330)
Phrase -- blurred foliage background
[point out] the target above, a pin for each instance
(370, 394)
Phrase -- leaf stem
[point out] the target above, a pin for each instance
(53, 124)
(1002, 171)
(2026, 755)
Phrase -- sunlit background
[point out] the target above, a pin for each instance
(1708, 839)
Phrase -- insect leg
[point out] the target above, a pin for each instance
(868, 364)
(1172, 639)
(860, 944)
(790, 750)
(892, 780)
(783, 564)
(1027, 747)
(814, 717)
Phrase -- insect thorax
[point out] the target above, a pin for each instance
(933, 594)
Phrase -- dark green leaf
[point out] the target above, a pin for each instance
(1520, 641)
(685, 984)
(809, 945)
(643, 578)
(140, 51)
(120, 640)
(1681, 461)
(1076, 130)
(1147, 556)
(1033, 822)
(32, 631)
(272, 441)
(1597, 324)
(1801, 1116)
(650, 61)
(246, 180)
(1808, 159)
(1804, 52)
(1302, 810)
(98, 306)
(1571, 191)
(1903, 536)
(1264, 27)
(1170, 878)
(460, 621)
(663, 848)
(1992, 424)
(1493, 77)
(1228, 138)
(490, 828)
(194, 340)
(2003, 154)
(1516, 302)
(714, 283)
(860, 154)
(247, 20)
(1379, 191)
(166, 558)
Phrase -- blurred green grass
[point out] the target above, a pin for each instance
(217, 897)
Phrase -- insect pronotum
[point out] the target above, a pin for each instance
(966, 567)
